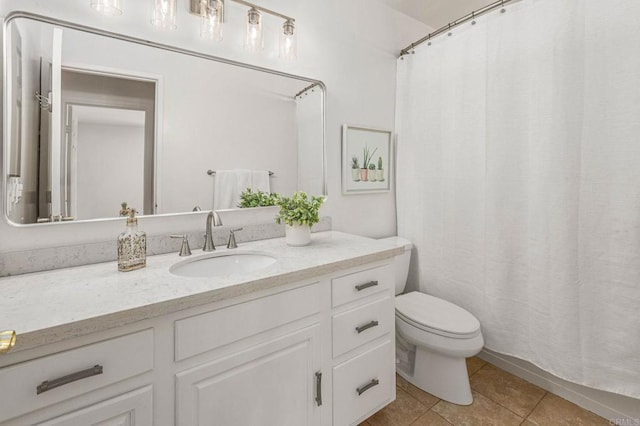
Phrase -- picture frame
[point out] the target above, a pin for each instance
(370, 147)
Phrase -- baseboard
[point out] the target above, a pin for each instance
(618, 409)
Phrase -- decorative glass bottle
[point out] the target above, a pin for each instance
(132, 244)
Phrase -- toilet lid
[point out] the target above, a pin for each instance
(436, 315)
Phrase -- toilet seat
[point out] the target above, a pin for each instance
(436, 316)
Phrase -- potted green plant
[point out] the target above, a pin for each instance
(248, 198)
(355, 169)
(380, 172)
(298, 213)
(372, 172)
(367, 156)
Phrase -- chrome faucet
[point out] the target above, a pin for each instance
(231, 244)
(184, 250)
(213, 219)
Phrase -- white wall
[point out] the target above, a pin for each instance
(109, 153)
(351, 45)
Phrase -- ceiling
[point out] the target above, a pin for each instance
(436, 13)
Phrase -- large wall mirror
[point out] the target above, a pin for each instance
(93, 119)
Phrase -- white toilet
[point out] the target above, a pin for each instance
(433, 338)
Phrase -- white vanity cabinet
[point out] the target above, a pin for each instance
(363, 336)
(315, 352)
(33, 392)
(259, 365)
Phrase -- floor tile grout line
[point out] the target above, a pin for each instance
(476, 372)
(502, 406)
(539, 402)
(525, 417)
(438, 414)
(419, 402)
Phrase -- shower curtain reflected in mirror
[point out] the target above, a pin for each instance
(519, 182)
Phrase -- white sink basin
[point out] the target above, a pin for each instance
(215, 265)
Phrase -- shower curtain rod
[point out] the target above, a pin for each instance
(500, 3)
(303, 91)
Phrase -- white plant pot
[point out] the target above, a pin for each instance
(355, 175)
(380, 175)
(297, 235)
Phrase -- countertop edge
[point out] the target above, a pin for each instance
(83, 327)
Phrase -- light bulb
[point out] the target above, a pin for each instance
(211, 12)
(253, 39)
(164, 14)
(288, 41)
(107, 7)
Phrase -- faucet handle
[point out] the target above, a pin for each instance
(184, 250)
(231, 244)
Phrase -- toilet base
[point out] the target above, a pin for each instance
(440, 375)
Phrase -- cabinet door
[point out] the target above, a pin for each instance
(273, 384)
(132, 408)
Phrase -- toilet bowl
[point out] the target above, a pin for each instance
(433, 338)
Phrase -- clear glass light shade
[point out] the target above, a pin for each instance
(288, 42)
(107, 7)
(211, 12)
(164, 14)
(253, 39)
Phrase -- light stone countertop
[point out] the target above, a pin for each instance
(51, 306)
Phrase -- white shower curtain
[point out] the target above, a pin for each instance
(519, 182)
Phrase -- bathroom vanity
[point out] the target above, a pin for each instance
(307, 340)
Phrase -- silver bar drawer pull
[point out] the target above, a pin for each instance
(366, 326)
(319, 388)
(361, 287)
(368, 386)
(73, 377)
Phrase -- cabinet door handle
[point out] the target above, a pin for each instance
(319, 388)
(363, 389)
(366, 326)
(361, 287)
(73, 377)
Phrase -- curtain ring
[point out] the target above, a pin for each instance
(473, 18)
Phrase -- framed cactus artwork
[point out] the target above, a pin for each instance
(366, 160)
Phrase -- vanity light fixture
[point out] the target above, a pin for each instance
(107, 7)
(212, 14)
(212, 17)
(288, 41)
(253, 38)
(164, 14)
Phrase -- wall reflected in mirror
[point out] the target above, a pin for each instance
(96, 121)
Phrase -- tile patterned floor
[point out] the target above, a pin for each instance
(499, 399)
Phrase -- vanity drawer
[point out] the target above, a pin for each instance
(208, 331)
(120, 359)
(362, 324)
(363, 384)
(360, 284)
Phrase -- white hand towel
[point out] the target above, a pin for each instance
(260, 181)
(242, 183)
(224, 189)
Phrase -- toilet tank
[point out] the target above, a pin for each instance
(401, 262)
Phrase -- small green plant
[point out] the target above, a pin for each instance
(379, 163)
(300, 208)
(354, 162)
(372, 166)
(248, 198)
(368, 155)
